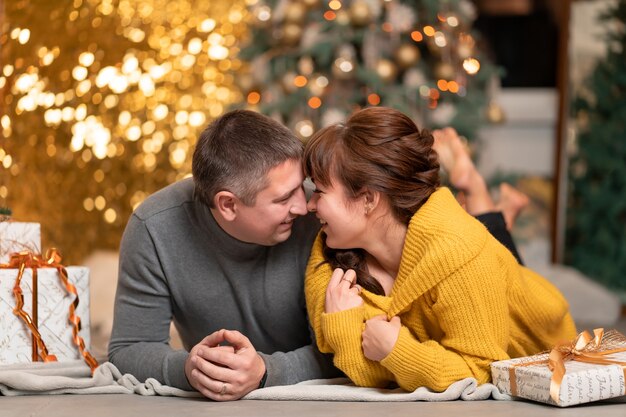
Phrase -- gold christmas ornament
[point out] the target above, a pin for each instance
(386, 70)
(304, 129)
(360, 13)
(295, 12)
(318, 84)
(263, 16)
(407, 55)
(306, 65)
(414, 78)
(433, 49)
(344, 65)
(343, 68)
(495, 113)
(287, 82)
(245, 82)
(445, 71)
(465, 51)
(343, 17)
(292, 33)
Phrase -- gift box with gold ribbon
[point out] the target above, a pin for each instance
(589, 368)
(44, 310)
(18, 236)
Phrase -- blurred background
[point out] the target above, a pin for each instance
(101, 102)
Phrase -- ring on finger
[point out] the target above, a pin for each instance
(346, 279)
(223, 391)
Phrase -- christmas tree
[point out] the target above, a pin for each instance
(596, 220)
(313, 62)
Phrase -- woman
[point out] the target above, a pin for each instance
(403, 285)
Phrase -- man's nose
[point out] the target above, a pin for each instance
(299, 205)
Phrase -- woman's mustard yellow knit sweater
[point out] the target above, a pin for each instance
(463, 301)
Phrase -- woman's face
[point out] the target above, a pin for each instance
(343, 220)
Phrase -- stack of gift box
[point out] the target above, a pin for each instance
(48, 293)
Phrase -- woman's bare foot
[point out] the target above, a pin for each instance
(455, 159)
(512, 201)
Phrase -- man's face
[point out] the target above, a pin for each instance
(270, 219)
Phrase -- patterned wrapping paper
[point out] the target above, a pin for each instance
(53, 313)
(17, 237)
(582, 383)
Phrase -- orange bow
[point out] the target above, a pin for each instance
(26, 259)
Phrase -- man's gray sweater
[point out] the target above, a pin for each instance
(177, 264)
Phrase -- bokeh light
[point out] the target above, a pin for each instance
(107, 111)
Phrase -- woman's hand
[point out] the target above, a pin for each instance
(380, 336)
(342, 292)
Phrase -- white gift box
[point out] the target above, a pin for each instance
(17, 237)
(582, 383)
(53, 303)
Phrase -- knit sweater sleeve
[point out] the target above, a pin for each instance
(471, 308)
(140, 337)
(339, 333)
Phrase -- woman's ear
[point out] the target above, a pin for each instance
(226, 205)
(371, 199)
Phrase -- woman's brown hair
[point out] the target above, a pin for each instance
(380, 149)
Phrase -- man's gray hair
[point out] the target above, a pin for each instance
(235, 153)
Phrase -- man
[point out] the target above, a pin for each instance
(223, 255)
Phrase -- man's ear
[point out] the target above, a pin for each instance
(226, 205)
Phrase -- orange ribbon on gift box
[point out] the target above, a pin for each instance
(584, 348)
(26, 259)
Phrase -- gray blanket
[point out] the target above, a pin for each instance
(74, 377)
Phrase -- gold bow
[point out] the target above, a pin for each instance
(27, 259)
(584, 348)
